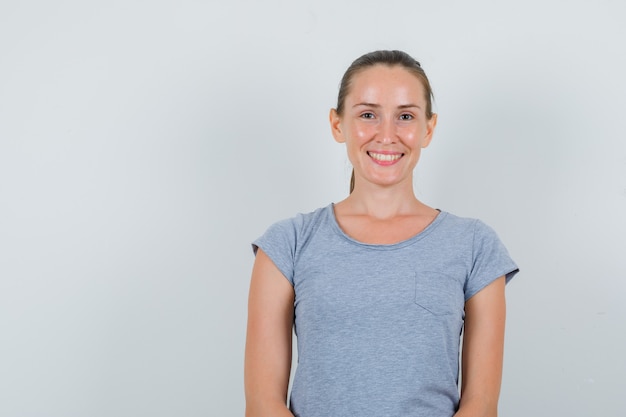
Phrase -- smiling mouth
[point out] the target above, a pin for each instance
(383, 157)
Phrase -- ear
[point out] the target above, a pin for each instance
(430, 129)
(335, 126)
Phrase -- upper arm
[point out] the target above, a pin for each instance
(269, 333)
(483, 347)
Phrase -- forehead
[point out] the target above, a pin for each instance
(383, 80)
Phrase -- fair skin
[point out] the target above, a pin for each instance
(268, 341)
(384, 128)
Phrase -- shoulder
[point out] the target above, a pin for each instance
(489, 257)
(283, 240)
(301, 222)
(462, 226)
(295, 229)
(470, 233)
(471, 223)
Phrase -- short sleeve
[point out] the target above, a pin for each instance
(279, 243)
(490, 260)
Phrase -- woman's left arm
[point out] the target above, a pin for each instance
(483, 349)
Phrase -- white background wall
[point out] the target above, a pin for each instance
(144, 144)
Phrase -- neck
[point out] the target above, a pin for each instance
(384, 202)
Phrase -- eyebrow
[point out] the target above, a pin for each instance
(376, 106)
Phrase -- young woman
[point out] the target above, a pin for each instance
(379, 285)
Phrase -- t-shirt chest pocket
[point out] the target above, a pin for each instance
(438, 293)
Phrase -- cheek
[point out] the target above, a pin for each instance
(362, 132)
(414, 137)
(411, 138)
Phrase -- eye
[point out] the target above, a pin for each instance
(406, 116)
(367, 115)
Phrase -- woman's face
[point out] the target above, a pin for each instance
(384, 124)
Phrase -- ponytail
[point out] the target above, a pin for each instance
(352, 181)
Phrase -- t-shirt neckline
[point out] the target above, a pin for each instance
(330, 211)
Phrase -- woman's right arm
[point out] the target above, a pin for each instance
(268, 341)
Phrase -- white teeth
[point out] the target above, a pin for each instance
(384, 157)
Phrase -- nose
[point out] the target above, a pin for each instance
(387, 132)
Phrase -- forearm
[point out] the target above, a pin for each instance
(477, 409)
(267, 409)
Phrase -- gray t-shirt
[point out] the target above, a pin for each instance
(378, 326)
